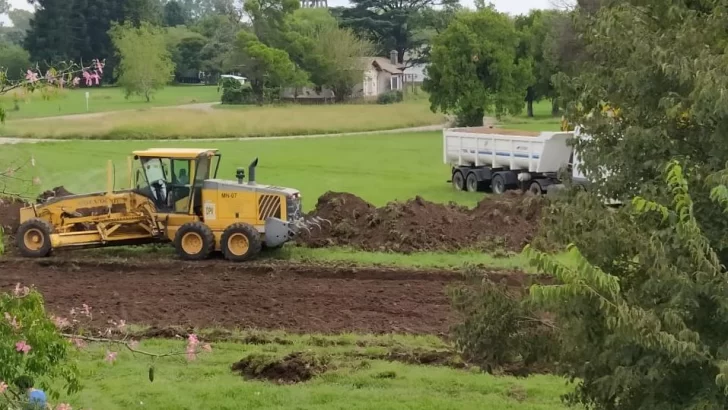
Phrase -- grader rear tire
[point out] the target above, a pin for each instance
(240, 242)
(34, 238)
(194, 241)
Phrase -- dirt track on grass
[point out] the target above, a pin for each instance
(297, 298)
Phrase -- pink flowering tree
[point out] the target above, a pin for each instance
(36, 344)
(65, 75)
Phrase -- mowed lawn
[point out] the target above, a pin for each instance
(378, 167)
(101, 99)
(352, 380)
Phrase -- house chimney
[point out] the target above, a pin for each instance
(393, 57)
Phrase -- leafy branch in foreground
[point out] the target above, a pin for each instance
(648, 329)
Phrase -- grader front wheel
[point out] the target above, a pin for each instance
(194, 241)
(240, 242)
(34, 238)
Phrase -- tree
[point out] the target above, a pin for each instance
(642, 307)
(145, 65)
(221, 32)
(391, 25)
(267, 69)
(15, 61)
(475, 67)
(537, 43)
(332, 55)
(185, 47)
(268, 18)
(21, 24)
(174, 14)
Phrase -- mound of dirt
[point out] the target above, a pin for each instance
(56, 192)
(505, 222)
(10, 214)
(295, 368)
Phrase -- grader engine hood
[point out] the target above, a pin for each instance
(278, 208)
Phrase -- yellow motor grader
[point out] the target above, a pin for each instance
(173, 196)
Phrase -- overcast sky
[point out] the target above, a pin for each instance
(508, 6)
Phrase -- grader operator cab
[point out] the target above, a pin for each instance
(173, 196)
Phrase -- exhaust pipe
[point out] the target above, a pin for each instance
(251, 172)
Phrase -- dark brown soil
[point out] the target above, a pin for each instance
(295, 368)
(56, 192)
(10, 214)
(296, 298)
(507, 222)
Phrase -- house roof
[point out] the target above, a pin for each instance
(384, 64)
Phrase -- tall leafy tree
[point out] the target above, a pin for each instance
(268, 69)
(475, 67)
(174, 14)
(330, 54)
(390, 24)
(145, 65)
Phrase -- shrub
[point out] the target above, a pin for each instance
(498, 329)
(390, 97)
(233, 92)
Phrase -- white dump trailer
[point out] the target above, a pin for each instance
(483, 158)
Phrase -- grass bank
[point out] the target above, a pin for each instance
(235, 122)
(354, 377)
(73, 101)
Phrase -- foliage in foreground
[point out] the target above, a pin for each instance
(643, 316)
(30, 345)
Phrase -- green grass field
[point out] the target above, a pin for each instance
(379, 168)
(73, 101)
(355, 379)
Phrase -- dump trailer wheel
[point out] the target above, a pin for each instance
(34, 238)
(471, 182)
(240, 242)
(535, 189)
(498, 185)
(194, 241)
(458, 181)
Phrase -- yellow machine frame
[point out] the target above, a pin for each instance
(214, 215)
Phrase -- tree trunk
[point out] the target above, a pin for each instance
(529, 107)
(554, 107)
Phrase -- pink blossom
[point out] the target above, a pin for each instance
(121, 325)
(206, 347)
(3, 387)
(110, 356)
(192, 340)
(96, 77)
(12, 320)
(21, 346)
(76, 81)
(100, 66)
(64, 406)
(31, 76)
(191, 354)
(60, 322)
(133, 344)
(20, 291)
(49, 77)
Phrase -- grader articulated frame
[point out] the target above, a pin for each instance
(171, 198)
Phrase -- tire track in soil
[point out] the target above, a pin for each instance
(215, 293)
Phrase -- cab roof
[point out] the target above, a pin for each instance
(185, 153)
